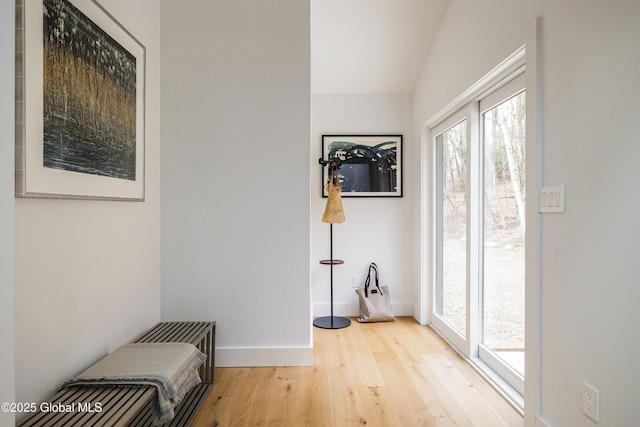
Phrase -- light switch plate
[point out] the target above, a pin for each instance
(356, 280)
(552, 199)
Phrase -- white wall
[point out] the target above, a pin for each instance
(589, 273)
(376, 229)
(235, 175)
(88, 272)
(590, 270)
(7, 343)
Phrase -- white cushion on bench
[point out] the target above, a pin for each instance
(170, 367)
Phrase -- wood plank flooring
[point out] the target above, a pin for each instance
(383, 374)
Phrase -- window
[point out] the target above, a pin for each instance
(479, 245)
(451, 146)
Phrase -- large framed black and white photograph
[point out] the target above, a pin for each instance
(80, 79)
(371, 165)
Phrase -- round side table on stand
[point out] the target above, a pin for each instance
(331, 322)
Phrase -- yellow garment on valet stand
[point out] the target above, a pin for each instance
(333, 214)
(333, 211)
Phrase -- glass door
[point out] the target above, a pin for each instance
(503, 234)
(451, 306)
(480, 230)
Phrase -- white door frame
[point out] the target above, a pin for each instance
(525, 52)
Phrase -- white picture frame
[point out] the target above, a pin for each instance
(80, 103)
(370, 165)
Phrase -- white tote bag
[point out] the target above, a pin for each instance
(375, 301)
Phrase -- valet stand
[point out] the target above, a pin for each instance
(331, 322)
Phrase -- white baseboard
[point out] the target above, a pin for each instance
(274, 356)
(353, 310)
(540, 422)
(227, 357)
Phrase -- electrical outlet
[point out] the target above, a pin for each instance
(591, 402)
(356, 280)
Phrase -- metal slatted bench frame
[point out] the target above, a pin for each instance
(132, 406)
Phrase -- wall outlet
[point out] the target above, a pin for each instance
(591, 402)
(356, 281)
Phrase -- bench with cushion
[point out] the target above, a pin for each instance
(132, 406)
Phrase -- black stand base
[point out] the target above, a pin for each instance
(331, 322)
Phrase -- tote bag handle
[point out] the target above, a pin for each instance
(368, 280)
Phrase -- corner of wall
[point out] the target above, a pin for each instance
(7, 275)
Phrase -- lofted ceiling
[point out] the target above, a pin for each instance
(371, 46)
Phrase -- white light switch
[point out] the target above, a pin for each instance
(552, 199)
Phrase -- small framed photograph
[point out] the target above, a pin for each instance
(80, 95)
(371, 165)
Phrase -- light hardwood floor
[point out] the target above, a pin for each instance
(383, 374)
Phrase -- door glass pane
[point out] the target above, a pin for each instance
(504, 226)
(451, 291)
